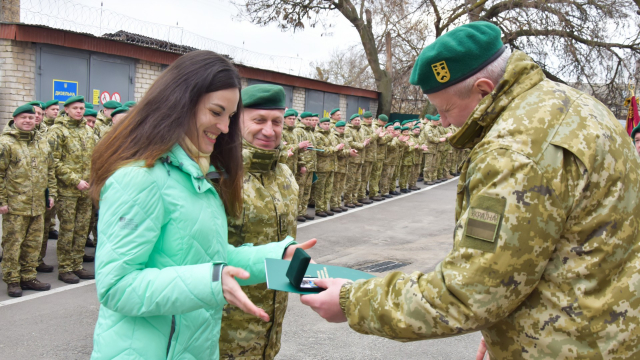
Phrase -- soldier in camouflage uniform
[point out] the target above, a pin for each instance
(270, 206)
(290, 142)
(73, 144)
(381, 153)
(417, 158)
(430, 155)
(354, 171)
(391, 157)
(325, 167)
(304, 132)
(369, 155)
(409, 147)
(90, 117)
(103, 120)
(342, 161)
(51, 110)
(26, 170)
(546, 247)
(335, 116)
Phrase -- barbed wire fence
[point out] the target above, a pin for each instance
(73, 16)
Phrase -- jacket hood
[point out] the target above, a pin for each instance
(256, 160)
(20, 135)
(69, 122)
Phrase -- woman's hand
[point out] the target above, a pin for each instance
(235, 296)
(482, 350)
(288, 254)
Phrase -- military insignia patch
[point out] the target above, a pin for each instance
(483, 224)
(441, 71)
(484, 219)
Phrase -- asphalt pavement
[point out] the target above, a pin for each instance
(411, 232)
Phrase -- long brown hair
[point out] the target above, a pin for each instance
(161, 119)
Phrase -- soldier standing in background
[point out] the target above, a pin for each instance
(391, 158)
(381, 153)
(90, 117)
(104, 123)
(325, 167)
(290, 142)
(431, 135)
(74, 143)
(304, 132)
(354, 170)
(417, 158)
(342, 161)
(409, 147)
(51, 109)
(26, 170)
(369, 154)
(335, 116)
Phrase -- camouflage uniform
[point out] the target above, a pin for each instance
(324, 169)
(302, 133)
(431, 139)
(396, 174)
(270, 202)
(417, 160)
(340, 175)
(354, 171)
(73, 142)
(369, 158)
(545, 259)
(407, 163)
(103, 124)
(378, 165)
(26, 170)
(289, 141)
(389, 166)
(48, 121)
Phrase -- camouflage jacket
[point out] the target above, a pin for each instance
(407, 151)
(393, 152)
(355, 140)
(103, 124)
(72, 142)
(270, 202)
(431, 138)
(545, 259)
(342, 156)
(289, 141)
(445, 146)
(417, 153)
(372, 149)
(26, 170)
(302, 133)
(382, 143)
(48, 121)
(326, 158)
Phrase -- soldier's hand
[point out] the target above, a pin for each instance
(288, 254)
(83, 185)
(51, 204)
(482, 350)
(353, 153)
(303, 170)
(289, 153)
(4, 209)
(443, 139)
(327, 303)
(235, 296)
(304, 145)
(366, 142)
(340, 147)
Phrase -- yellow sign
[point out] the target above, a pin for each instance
(96, 97)
(326, 114)
(441, 71)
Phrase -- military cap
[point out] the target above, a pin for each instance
(130, 104)
(324, 120)
(120, 110)
(428, 117)
(90, 112)
(341, 123)
(405, 128)
(416, 127)
(290, 112)
(24, 109)
(74, 99)
(295, 112)
(456, 56)
(112, 104)
(264, 96)
(388, 124)
(50, 103)
(397, 127)
(437, 116)
(37, 103)
(334, 111)
(315, 115)
(383, 117)
(405, 122)
(367, 114)
(306, 114)
(354, 116)
(88, 105)
(634, 131)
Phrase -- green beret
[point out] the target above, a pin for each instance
(456, 56)
(367, 114)
(24, 109)
(397, 127)
(388, 124)
(295, 112)
(129, 104)
(74, 99)
(305, 114)
(112, 104)
(50, 103)
(341, 123)
(437, 116)
(428, 117)
(90, 112)
(325, 120)
(405, 122)
(354, 116)
(37, 103)
(315, 115)
(416, 127)
(383, 117)
(289, 112)
(334, 111)
(120, 110)
(633, 132)
(405, 128)
(88, 105)
(264, 96)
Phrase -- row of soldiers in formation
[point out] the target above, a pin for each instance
(362, 160)
(45, 162)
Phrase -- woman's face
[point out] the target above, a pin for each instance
(213, 113)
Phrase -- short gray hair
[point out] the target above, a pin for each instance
(494, 72)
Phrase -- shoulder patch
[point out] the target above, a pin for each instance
(483, 223)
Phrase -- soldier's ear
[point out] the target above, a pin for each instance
(483, 87)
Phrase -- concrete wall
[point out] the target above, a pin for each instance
(146, 73)
(373, 107)
(17, 76)
(299, 95)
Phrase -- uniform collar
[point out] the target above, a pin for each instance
(256, 160)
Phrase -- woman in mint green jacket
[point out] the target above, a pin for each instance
(161, 266)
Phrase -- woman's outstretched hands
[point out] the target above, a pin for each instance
(235, 296)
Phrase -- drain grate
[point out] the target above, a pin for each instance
(382, 266)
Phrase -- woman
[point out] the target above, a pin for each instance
(159, 268)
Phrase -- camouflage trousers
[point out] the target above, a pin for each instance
(442, 160)
(51, 223)
(376, 175)
(304, 191)
(395, 178)
(21, 242)
(339, 180)
(93, 224)
(448, 164)
(322, 190)
(385, 178)
(405, 172)
(353, 183)
(48, 216)
(430, 170)
(413, 177)
(75, 216)
(364, 179)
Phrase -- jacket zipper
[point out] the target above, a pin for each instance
(173, 330)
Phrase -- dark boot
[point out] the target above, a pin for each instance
(68, 277)
(395, 193)
(336, 210)
(365, 201)
(329, 212)
(414, 188)
(53, 234)
(351, 206)
(429, 183)
(388, 196)
(88, 258)
(377, 198)
(35, 284)
(89, 243)
(85, 274)
(309, 217)
(301, 219)
(404, 191)
(358, 204)
(44, 268)
(14, 290)
(321, 214)
(344, 208)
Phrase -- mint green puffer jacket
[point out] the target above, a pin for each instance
(161, 231)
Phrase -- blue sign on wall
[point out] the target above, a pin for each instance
(64, 89)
